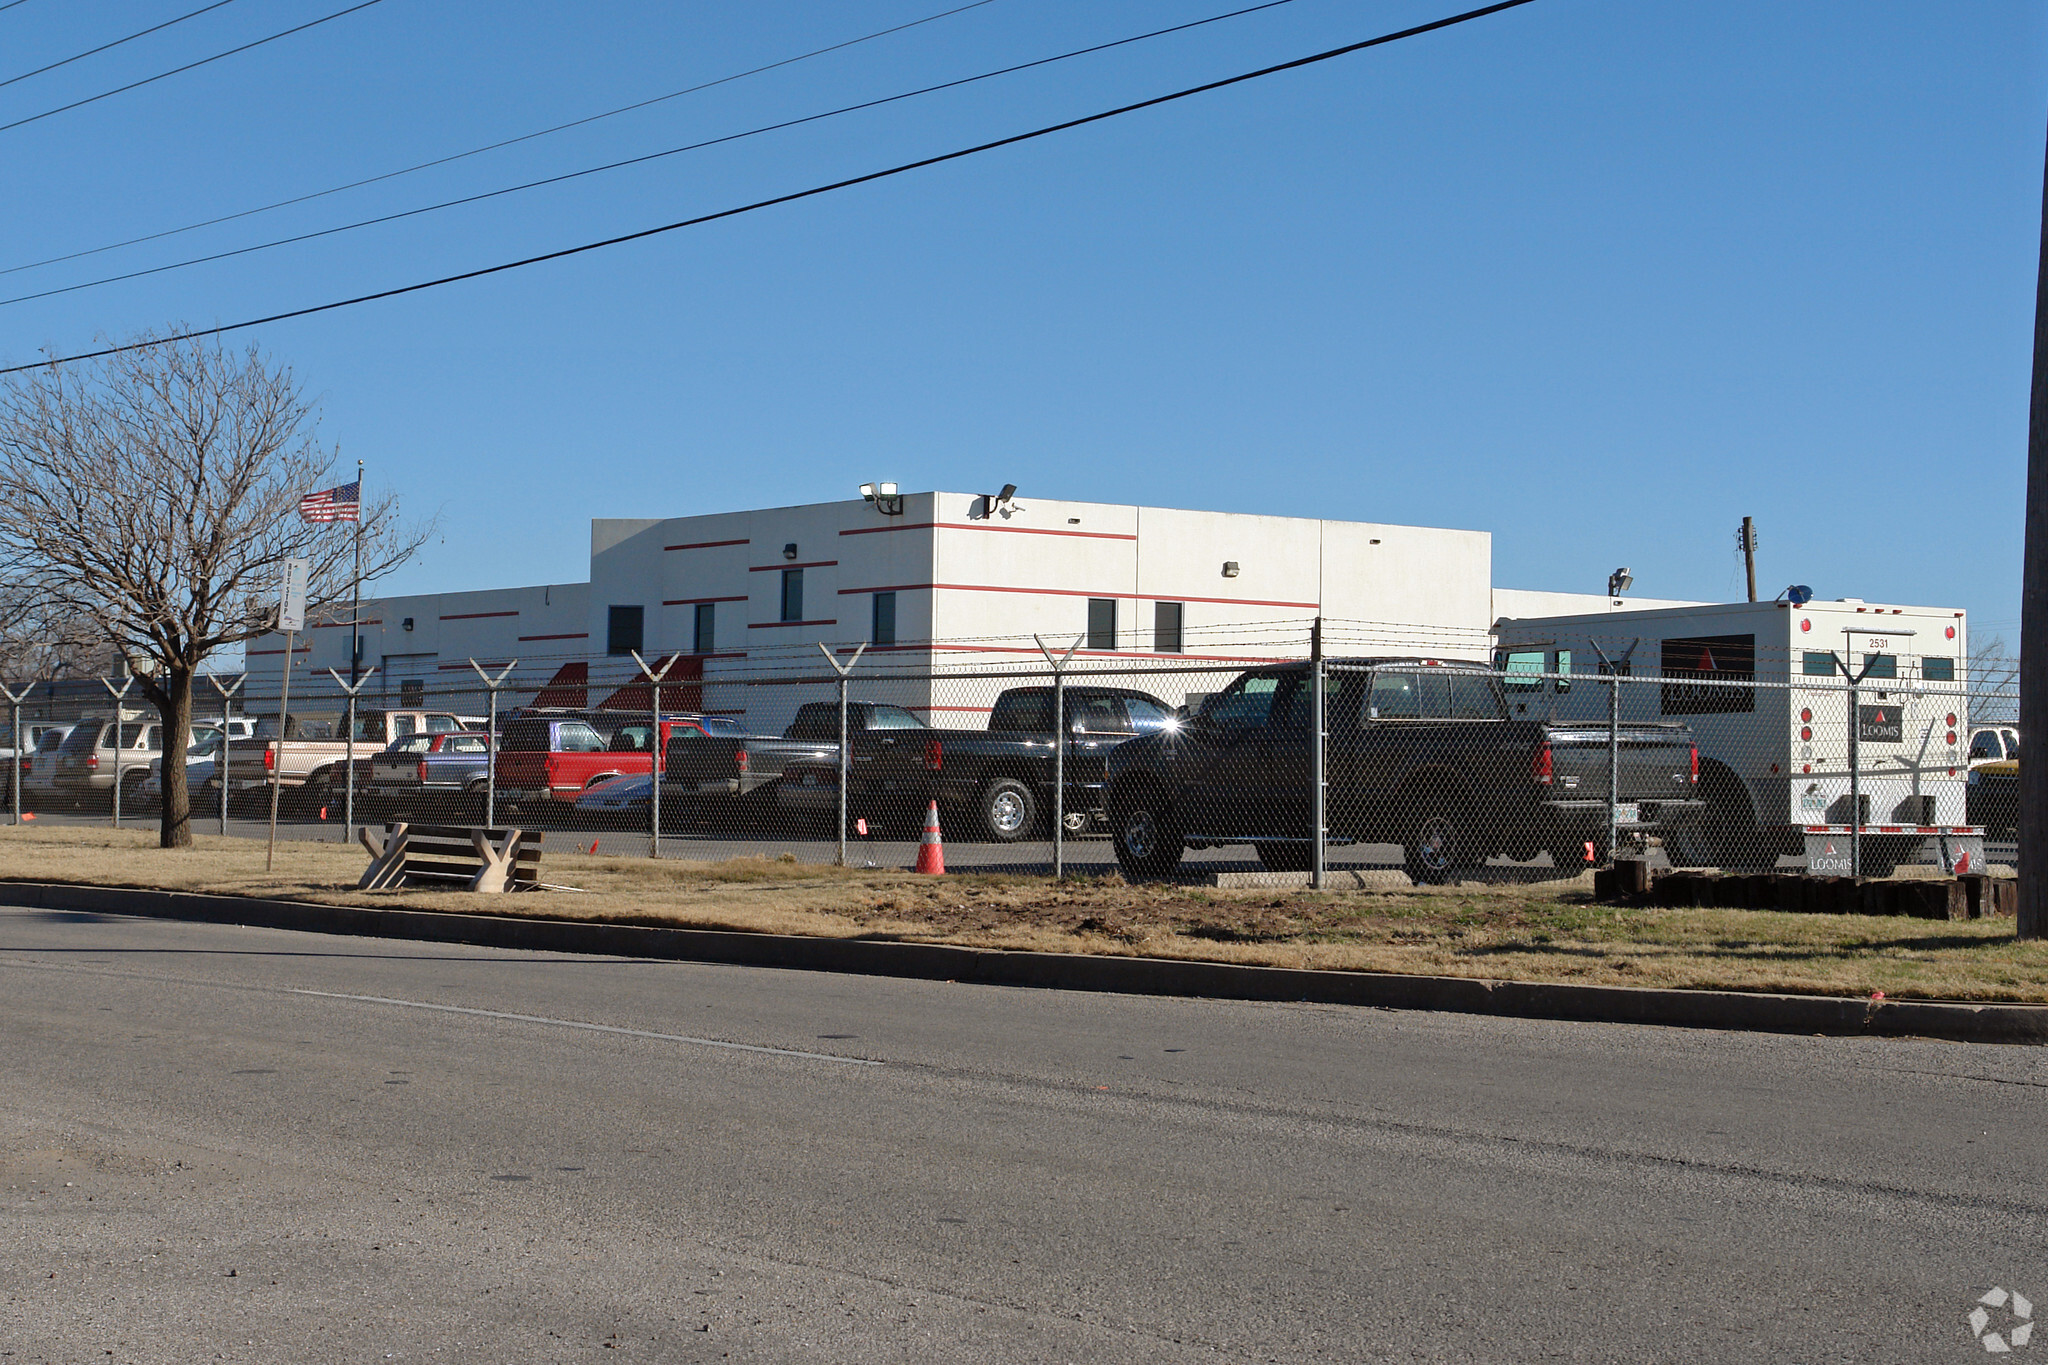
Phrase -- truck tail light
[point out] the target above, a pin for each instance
(269, 759)
(423, 772)
(1541, 766)
(1695, 763)
(934, 754)
(740, 760)
(92, 761)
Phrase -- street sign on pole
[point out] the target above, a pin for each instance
(291, 596)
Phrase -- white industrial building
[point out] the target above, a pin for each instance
(953, 583)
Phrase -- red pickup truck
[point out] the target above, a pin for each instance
(545, 757)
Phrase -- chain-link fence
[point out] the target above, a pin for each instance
(1356, 769)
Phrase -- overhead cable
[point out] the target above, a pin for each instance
(107, 47)
(180, 70)
(492, 146)
(902, 168)
(629, 161)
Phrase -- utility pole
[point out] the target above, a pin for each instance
(1746, 538)
(2033, 912)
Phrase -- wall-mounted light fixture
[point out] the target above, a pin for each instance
(408, 623)
(789, 550)
(1230, 568)
(885, 498)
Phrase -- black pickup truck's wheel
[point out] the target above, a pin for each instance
(1438, 840)
(1148, 841)
(1006, 810)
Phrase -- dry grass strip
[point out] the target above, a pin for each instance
(1525, 933)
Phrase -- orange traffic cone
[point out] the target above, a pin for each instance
(931, 854)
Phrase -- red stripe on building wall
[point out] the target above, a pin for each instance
(572, 635)
(1241, 659)
(1078, 592)
(810, 564)
(770, 625)
(706, 544)
(698, 601)
(477, 615)
(302, 649)
(977, 526)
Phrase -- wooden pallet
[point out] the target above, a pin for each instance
(444, 855)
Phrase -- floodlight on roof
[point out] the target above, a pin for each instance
(1619, 581)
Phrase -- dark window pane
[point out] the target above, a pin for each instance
(893, 718)
(1025, 711)
(792, 594)
(1817, 664)
(1166, 619)
(1702, 675)
(1881, 665)
(623, 629)
(1102, 623)
(1101, 716)
(1936, 669)
(705, 637)
(885, 618)
(1244, 703)
(1394, 697)
(1473, 697)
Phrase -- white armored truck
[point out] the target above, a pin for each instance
(1767, 688)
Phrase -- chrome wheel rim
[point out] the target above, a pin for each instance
(1434, 843)
(1006, 812)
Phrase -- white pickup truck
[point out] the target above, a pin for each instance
(309, 761)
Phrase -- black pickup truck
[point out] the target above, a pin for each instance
(1420, 753)
(991, 784)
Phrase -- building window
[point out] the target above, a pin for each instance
(792, 594)
(705, 638)
(1166, 619)
(884, 632)
(623, 629)
(1102, 623)
(1564, 670)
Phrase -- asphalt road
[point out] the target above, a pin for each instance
(250, 1145)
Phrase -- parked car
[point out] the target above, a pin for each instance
(200, 760)
(39, 767)
(554, 756)
(87, 762)
(1419, 752)
(1993, 744)
(431, 776)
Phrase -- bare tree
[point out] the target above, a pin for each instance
(154, 495)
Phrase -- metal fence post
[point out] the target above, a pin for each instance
(1856, 738)
(348, 791)
(14, 702)
(1614, 668)
(126, 683)
(1059, 752)
(491, 686)
(227, 713)
(1318, 757)
(654, 755)
(845, 766)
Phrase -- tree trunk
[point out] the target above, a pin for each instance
(175, 827)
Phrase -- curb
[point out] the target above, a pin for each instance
(1811, 1014)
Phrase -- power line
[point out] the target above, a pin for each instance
(795, 195)
(629, 161)
(11, 4)
(105, 47)
(180, 70)
(493, 146)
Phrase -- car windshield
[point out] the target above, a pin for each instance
(893, 718)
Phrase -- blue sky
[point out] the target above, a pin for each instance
(1599, 278)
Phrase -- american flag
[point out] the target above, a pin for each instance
(336, 504)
